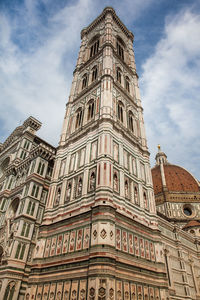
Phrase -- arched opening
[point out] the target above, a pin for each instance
(84, 81)
(120, 48)
(90, 110)
(94, 49)
(130, 121)
(79, 114)
(94, 73)
(120, 111)
(127, 84)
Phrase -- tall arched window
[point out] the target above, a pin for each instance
(94, 73)
(10, 289)
(130, 121)
(84, 81)
(120, 48)
(120, 107)
(90, 110)
(79, 114)
(94, 49)
(127, 84)
(119, 75)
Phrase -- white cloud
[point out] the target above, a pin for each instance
(37, 59)
(171, 92)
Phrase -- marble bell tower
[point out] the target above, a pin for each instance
(99, 238)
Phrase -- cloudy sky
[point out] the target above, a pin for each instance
(39, 44)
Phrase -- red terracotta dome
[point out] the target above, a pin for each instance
(177, 179)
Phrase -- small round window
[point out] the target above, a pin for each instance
(187, 211)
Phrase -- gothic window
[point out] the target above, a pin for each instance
(84, 81)
(35, 191)
(31, 208)
(119, 75)
(18, 250)
(22, 251)
(94, 49)
(9, 293)
(25, 229)
(26, 144)
(127, 84)
(130, 121)
(94, 73)
(120, 50)
(120, 108)
(40, 169)
(23, 154)
(90, 110)
(79, 115)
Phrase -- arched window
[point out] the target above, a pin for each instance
(90, 110)
(130, 121)
(94, 49)
(94, 73)
(79, 115)
(127, 84)
(84, 81)
(120, 48)
(119, 75)
(9, 293)
(120, 111)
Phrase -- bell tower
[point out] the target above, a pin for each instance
(99, 228)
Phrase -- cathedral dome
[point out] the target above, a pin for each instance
(177, 179)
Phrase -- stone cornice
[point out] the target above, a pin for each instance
(107, 10)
